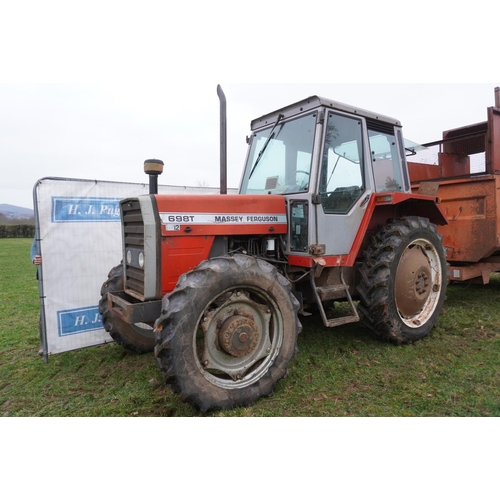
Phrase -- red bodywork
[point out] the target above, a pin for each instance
(190, 224)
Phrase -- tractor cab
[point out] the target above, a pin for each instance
(327, 159)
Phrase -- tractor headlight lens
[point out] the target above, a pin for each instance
(141, 260)
(129, 257)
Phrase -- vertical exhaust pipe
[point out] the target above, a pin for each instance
(497, 97)
(223, 140)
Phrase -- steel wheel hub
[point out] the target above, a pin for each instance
(238, 336)
(413, 282)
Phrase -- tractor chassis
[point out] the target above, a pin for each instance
(131, 311)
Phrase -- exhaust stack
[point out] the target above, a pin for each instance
(223, 140)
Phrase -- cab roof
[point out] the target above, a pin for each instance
(315, 102)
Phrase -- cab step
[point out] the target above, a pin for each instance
(334, 292)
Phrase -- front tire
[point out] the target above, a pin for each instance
(138, 338)
(403, 281)
(227, 333)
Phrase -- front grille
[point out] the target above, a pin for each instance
(133, 240)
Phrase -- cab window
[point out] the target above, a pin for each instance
(341, 179)
(385, 160)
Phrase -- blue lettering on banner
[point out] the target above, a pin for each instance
(66, 209)
(77, 321)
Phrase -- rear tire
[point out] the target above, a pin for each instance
(136, 338)
(403, 281)
(227, 333)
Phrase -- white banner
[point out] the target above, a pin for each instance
(80, 241)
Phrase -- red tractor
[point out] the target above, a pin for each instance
(325, 214)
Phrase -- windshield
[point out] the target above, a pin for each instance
(280, 158)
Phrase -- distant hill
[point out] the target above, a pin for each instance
(11, 212)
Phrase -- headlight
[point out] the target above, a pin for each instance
(141, 260)
(129, 257)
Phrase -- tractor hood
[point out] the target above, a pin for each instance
(221, 215)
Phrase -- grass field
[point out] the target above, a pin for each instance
(340, 372)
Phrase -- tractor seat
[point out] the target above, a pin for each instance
(342, 200)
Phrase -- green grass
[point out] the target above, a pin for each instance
(338, 372)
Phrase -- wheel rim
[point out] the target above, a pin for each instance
(418, 283)
(144, 329)
(238, 338)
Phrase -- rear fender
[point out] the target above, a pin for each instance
(416, 207)
(428, 209)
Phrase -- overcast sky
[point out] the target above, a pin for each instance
(106, 132)
(138, 81)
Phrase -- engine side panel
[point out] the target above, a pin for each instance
(189, 225)
(180, 255)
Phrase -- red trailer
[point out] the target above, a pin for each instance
(463, 171)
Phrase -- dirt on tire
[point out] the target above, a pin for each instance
(404, 313)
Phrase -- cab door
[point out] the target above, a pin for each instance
(342, 188)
